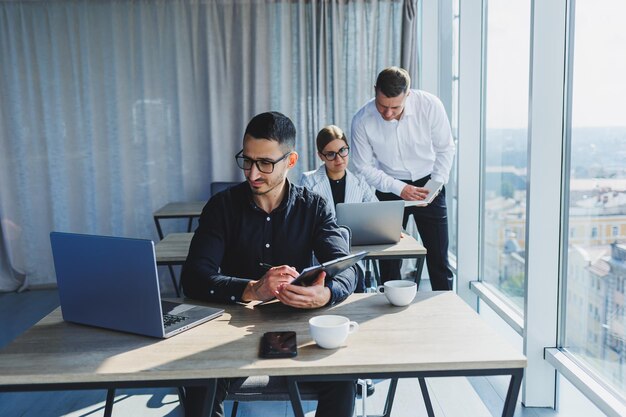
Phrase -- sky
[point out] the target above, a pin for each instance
(599, 73)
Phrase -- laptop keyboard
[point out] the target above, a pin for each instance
(172, 319)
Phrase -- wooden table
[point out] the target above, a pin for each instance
(178, 210)
(174, 248)
(392, 342)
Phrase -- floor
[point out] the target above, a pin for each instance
(479, 396)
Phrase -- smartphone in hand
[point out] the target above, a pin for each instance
(279, 345)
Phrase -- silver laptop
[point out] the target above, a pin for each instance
(372, 223)
(112, 282)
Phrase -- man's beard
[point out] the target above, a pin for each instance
(271, 186)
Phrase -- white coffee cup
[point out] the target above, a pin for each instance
(330, 331)
(399, 292)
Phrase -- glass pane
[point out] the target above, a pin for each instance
(451, 187)
(595, 324)
(505, 147)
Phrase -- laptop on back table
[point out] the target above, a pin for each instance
(112, 282)
(372, 223)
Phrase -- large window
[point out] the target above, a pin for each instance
(595, 321)
(505, 146)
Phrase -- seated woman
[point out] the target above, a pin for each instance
(333, 180)
(337, 184)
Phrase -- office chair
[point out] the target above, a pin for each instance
(217, 186)
(264, 388)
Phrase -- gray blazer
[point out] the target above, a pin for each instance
(357, 190)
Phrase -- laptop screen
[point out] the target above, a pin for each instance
(372, 223)
(108, 282)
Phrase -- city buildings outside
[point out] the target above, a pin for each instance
(596, 251)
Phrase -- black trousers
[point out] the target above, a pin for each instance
(432, 225)
(335, 398)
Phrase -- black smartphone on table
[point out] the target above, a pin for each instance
(279, 345)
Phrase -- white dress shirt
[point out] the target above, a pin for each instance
(419, 144)
(357, 190)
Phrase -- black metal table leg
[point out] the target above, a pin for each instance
(174, 282)
(427, 402)
(158, 226)
(294, 396)
(419, 266)
(377, 278)
(391, 395)
(511, 396)
(108, 405)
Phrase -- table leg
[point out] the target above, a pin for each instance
(511, 396)
(368, 275)
(371, 281)
(108, 405)
(158, 226)
(174, 282)
(419, 266)
(427, 402)
(377, 278)
(391, 394)
(294, 396)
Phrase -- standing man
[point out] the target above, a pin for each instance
(400, 139)
(268, 221)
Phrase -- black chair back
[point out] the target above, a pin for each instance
(218, 186)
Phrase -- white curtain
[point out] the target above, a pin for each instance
(111, 109)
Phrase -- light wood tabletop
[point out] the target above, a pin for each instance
(173, 249)
(437, 332)
(437, 335)
(178, 210)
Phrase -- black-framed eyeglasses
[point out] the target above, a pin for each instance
(343, 152)
(265, 166)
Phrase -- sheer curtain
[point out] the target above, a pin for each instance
(111, 109)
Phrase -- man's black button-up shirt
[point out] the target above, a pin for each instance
(235, 237)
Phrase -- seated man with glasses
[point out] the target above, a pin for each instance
(333, 180)
(268, 221)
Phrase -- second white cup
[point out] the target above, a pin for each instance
(330, 331)
(399, 292)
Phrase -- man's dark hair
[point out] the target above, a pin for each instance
(393, 81)
(274, 126)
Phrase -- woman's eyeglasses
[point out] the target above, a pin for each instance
(265, 166)
(343, 152)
